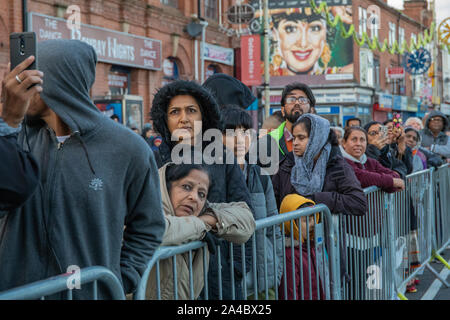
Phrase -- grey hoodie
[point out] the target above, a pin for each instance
(102, 179)
(439, 144)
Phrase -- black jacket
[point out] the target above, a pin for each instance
(19, 174)
(387, 156)
(228, 182)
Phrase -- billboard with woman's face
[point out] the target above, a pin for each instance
(301, 42)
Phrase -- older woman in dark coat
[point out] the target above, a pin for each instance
(181, 112)
(316, 169)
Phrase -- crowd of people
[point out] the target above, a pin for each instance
(77, 188)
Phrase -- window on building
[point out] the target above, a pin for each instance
(392, 36)
(401, 36)
(413, 38)
(211, 9)
(170, 3)
(376, 72)
(362, 20)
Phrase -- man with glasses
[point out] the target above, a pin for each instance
(296, 100)
(433, 135)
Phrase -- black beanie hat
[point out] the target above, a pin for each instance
(228, 90)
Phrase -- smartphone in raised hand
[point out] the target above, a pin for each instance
(22, 45)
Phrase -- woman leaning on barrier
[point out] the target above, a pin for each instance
(368, 171)
(317, 171)
(189, 217)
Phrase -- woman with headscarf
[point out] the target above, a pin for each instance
(189, 217)
(181, 112)
(316, 169)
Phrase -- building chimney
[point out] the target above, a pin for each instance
(418, 11)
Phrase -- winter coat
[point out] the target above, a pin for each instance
(308, 267)
(388, 160)
(235, 224)
(433, 159)
(341, 193)
(19, 172)
(439, 144)
(372, 173)
(264, 204)
(228, 183)
(101, 179)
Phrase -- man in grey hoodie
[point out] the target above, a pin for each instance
(98, 202)
(433, 135)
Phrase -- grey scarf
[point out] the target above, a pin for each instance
(361, 160)
(306, 177)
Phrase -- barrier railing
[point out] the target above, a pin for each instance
(319, 253)
(366, 244)
(59, 286)
(397, 238)
(382, 251)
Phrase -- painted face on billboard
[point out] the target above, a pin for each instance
(302, 43)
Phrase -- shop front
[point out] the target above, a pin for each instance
(382, 108)
(121, 56)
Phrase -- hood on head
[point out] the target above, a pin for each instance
(435, 113)
(318, 137)
(229, 90)
(69, 73)
(208, 106)
(293, 202)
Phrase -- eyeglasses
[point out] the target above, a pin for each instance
(373, 133)
(437, 119)
(301, 100)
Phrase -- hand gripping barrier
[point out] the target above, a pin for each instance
(260, 274)
(397, 238)
(60, 284)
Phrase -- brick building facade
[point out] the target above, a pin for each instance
(161, 20)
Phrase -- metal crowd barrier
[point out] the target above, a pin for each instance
(320, 252)
(372, 257)
(366, 250)
(397, 238)
(58, 287)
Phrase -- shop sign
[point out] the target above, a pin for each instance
(404, 104)
(327, 110)
(397, 102)
(219, 54)
(251, 60)
(412, 105)
(111, 46)
(445, 108)
(364, 99)
(335, 98)
(395, 73)
(385, 101)
(118, 80)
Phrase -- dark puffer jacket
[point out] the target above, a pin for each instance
(228, 182)
(341, 193)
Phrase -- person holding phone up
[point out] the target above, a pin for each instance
(19, 171)
(98, 202)
(378, 148)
